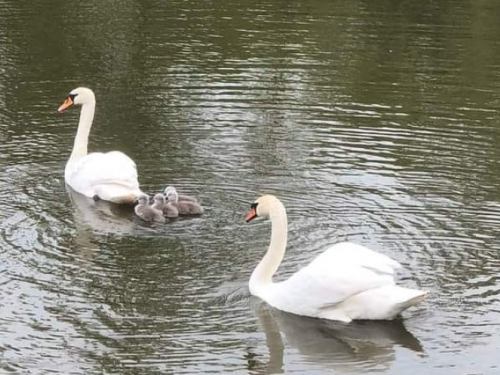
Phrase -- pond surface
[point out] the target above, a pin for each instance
(374, 122)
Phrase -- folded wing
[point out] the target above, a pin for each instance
(341, 272)
(103, 169)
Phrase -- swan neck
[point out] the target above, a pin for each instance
(263, 273)
(82, 134)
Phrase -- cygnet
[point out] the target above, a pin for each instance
(182, 197)
(148, 213)
(184, 207)
(168, 209)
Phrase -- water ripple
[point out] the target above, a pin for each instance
(373, 123)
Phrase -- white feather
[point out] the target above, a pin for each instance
(111, 176)
(347, 281)
(106, 175)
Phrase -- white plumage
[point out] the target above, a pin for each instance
(345, 282)
(110, 176)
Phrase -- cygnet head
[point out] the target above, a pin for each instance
(143, 199)
(78, 96)
(159, 198)
(262, 207)
(168, 189)
(172, 195)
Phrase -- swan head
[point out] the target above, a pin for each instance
(172, 195)
(143, 200)
(78, 96)
(262, 207)
(159, 198)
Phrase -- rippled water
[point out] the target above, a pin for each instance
(374, 123)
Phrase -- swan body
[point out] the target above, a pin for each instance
(346, 282)
(167, 208)
(110, 176)
(184, 207)
(182, 197)
(146, 212)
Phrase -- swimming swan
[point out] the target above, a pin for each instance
(345, 282)
(110, 176)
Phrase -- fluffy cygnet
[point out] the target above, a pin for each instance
(148, 213)
(184, 207)
(168, 209)
(182, 197)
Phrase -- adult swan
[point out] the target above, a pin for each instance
(110, 176)
(345, 282)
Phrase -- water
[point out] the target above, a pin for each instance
(376, 123)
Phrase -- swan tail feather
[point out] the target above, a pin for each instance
(117, 193)
(419, 297)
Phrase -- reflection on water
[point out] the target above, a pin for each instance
(99, 216)
(357, 347)
(374, 122)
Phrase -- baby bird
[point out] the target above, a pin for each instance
(181, 197)
(148, 213)
(167, 208)
(184, 207)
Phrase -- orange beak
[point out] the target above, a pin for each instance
(67, 103)
(252, 214)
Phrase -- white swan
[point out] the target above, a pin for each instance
(110, 176)
(345, 282)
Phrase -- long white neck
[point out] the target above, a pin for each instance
(263, 273)
(82, 135)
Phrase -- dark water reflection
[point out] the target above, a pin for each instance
(375, 122)
(346, 348)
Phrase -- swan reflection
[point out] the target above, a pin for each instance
(100, 216)
(355, 347)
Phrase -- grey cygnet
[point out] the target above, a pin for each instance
(182, 197)
(167, 209)
(146, 212)
(184, 207)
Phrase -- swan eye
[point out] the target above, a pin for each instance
(72, 97)
(254, 206)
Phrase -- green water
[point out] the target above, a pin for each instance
(374, 122)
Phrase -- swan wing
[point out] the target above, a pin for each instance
(346, 254)
(98, 169)
(319, 286)
(339, 273)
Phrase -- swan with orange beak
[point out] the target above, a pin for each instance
(110, 176)
(345, 282)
